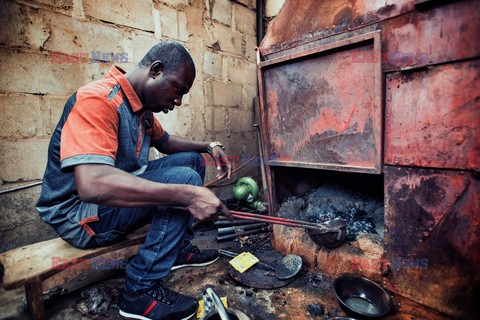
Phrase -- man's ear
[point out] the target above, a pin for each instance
(156, 68)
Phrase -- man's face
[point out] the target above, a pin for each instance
(165, 90)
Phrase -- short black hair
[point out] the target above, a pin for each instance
(172, 54)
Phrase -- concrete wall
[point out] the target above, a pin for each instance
(220, 35)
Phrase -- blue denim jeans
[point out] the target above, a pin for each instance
(170, 230)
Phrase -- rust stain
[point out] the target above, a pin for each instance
(298, 22)
(429, 122)
(343, 16)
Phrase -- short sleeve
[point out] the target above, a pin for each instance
(90, 133)
(159, 135)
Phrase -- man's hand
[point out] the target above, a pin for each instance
(222, 163)
(205, 205)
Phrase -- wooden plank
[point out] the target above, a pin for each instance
(68, 274)
(34, 294)
(35, 260)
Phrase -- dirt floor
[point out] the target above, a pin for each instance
(308, 296)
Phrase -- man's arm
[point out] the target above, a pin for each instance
(178, 144)
(110, 186)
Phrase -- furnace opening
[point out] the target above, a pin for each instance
(320, 196)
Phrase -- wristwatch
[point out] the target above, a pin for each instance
(213, 145)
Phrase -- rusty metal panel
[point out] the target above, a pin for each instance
(434, 216)
(302, 21)
(321, 110)
(433, 117)
(448, 32)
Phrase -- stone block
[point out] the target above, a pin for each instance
(195, 21)
(273, 7)
(289, 240)
(371, 245)
(247, 3)
(20, 73)
(249, 50)
(178, 121)
(212, 64)
(336, 261)
(240, 71)
(240, 119)
(169, 22)
(176, 3)
(251, 146)
(20, 224)
(248, 93)
(182, 26)
(220, 119)
(131, 13)
(24, 159)
(224, 38)
(226, 94)
(27, 115)
(64, 34)
(17, 27)
(208, 116)
(222, 11)
(55, 105)
(245, 20)
(142, 42)
(23, 116)
(63, 4)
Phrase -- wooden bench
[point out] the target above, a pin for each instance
(38, 267)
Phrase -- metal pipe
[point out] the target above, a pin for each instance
(237, 229)
(33, 184)
(259, 16)
(282, 221)
(233, 236)
(224, 223)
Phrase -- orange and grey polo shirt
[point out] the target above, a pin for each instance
(102, 123)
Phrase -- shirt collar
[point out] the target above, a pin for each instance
(118, 74)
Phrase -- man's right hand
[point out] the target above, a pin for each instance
(204, 205)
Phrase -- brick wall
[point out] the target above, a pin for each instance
(220, 35)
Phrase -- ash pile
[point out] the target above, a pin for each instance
(363, 213)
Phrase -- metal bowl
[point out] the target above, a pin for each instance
(361, 297)
(330, 239)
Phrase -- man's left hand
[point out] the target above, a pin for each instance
(222, 163)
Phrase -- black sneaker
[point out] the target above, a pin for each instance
(195, 258)
(157, 303)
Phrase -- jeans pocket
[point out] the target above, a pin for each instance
(109, 237)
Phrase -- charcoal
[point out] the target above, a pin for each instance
(315, 309)
(363, 213)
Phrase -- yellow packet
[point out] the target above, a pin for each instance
(201, 306)
(243, 261)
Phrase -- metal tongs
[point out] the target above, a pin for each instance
(284, 221)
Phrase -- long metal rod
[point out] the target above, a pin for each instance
(262, 162)
(282, 221)
(225, 223)
(238, 229)
(240, 234)
(217, 180)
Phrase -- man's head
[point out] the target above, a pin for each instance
(168, 73)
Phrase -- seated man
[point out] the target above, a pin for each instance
(99, 185)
